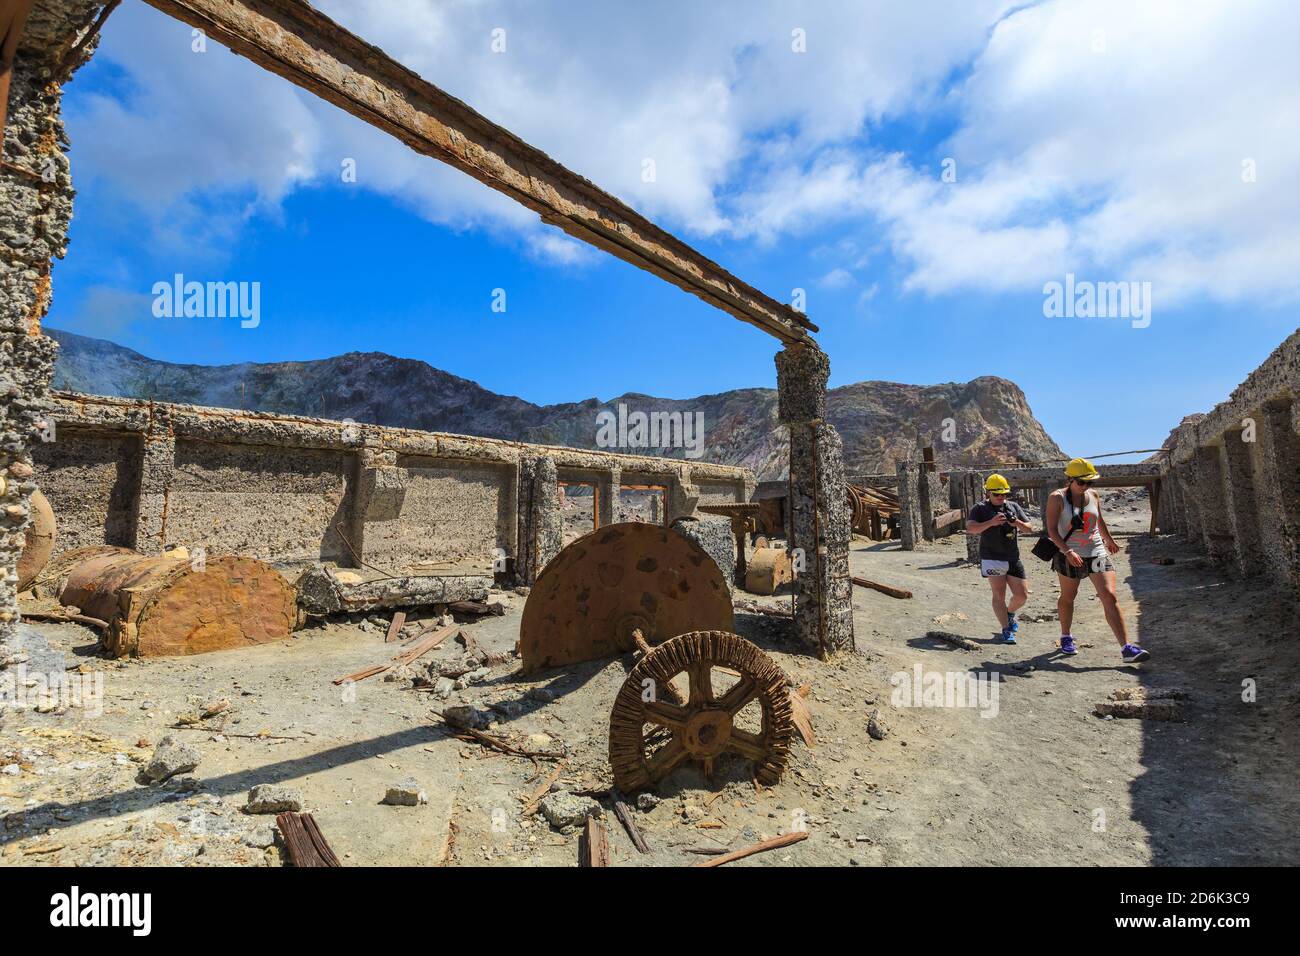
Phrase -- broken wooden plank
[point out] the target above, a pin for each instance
(593, 844)
(535, 798)
(304, 841)
(882, 588)
(786, 839)
(802, 718)
(424, 643)
(395, 626)
(479, 608)
(624, 814)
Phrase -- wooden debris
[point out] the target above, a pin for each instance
(593, 844)
(956, 640)
(802, 719)
(624, 814)
(307, 846)
(882, 588)
(424, 643)
(707, 850)
(786, 839)
(943, 520)
(535, 798)
(395, 627)
(465, 732)
(479, 608)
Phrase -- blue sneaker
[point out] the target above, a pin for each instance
(1008, 636)
(1012, 624)
(1066, 644)
(1133, 654)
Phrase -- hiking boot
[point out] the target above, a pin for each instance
(1133, 654)
(1008, 636)
(1066, 644)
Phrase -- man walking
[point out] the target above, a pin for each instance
(997, 521)
(1075, 525)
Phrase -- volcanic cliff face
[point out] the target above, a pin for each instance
(984, 420)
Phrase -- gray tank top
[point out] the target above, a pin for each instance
(1086, 541)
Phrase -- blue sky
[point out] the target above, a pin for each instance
(1088, 137)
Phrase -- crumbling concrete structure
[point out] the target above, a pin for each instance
(153, 498)
(820, 530)
(35, 209)
(1232, 477)
(147, 475)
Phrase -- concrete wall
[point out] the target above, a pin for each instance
(298, 490)
(1232, 477)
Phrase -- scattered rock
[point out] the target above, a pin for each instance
(876, 726)
(260, 839)
(1149, 693)
(407, 793)
(467, 716)
(956, 640)
(11, 770)
(1140, 709)
(645, 802)
(444, 687)
(170, 757)
(541, 694)
(943, 620)
(273, 798)
(567, 811)
(522, 590)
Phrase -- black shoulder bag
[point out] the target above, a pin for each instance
(1045, 548)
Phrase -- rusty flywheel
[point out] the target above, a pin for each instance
(727, 676)
(590, 599)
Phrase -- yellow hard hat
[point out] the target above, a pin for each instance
(997, 484)
(1082, 469)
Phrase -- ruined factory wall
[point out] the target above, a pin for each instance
(1234, 474)
(453, 511)
(93, 484)
(35, 209)
(295, 491)
(276, 504)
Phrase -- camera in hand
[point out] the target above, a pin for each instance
(1010, 527)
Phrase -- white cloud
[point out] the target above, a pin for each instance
(1122, 163)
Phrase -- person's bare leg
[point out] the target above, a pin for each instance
(999, 588)
(1065, 603)
(1104, 582)
(1019, 593)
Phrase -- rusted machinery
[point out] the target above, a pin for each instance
(624, 577)
(649, 738)
(40, 541)
(169, 604)
(870, 511)
(768, 569)
(637, 586)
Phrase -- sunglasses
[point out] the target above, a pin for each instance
(1086, 484)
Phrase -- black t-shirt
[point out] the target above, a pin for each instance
(999, 543)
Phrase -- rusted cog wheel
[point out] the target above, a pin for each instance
(648, 739)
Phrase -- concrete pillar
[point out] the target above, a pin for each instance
(35, 209)
(157, 466)
(909, 504)
(929, 491)
(1275, 456)
(1239, 496)
(820, 520)
(1215, 526)
(682, 497)
(972, 493)
(607, 487)
(541, 525)
(1184, 476)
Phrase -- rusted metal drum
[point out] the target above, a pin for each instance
(169, 605)
(768, 569)
(624, 577)
(40, 541)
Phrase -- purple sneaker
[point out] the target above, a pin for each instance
(1066, 644)
(1133, 654)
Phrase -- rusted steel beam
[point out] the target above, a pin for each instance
(309, 49)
